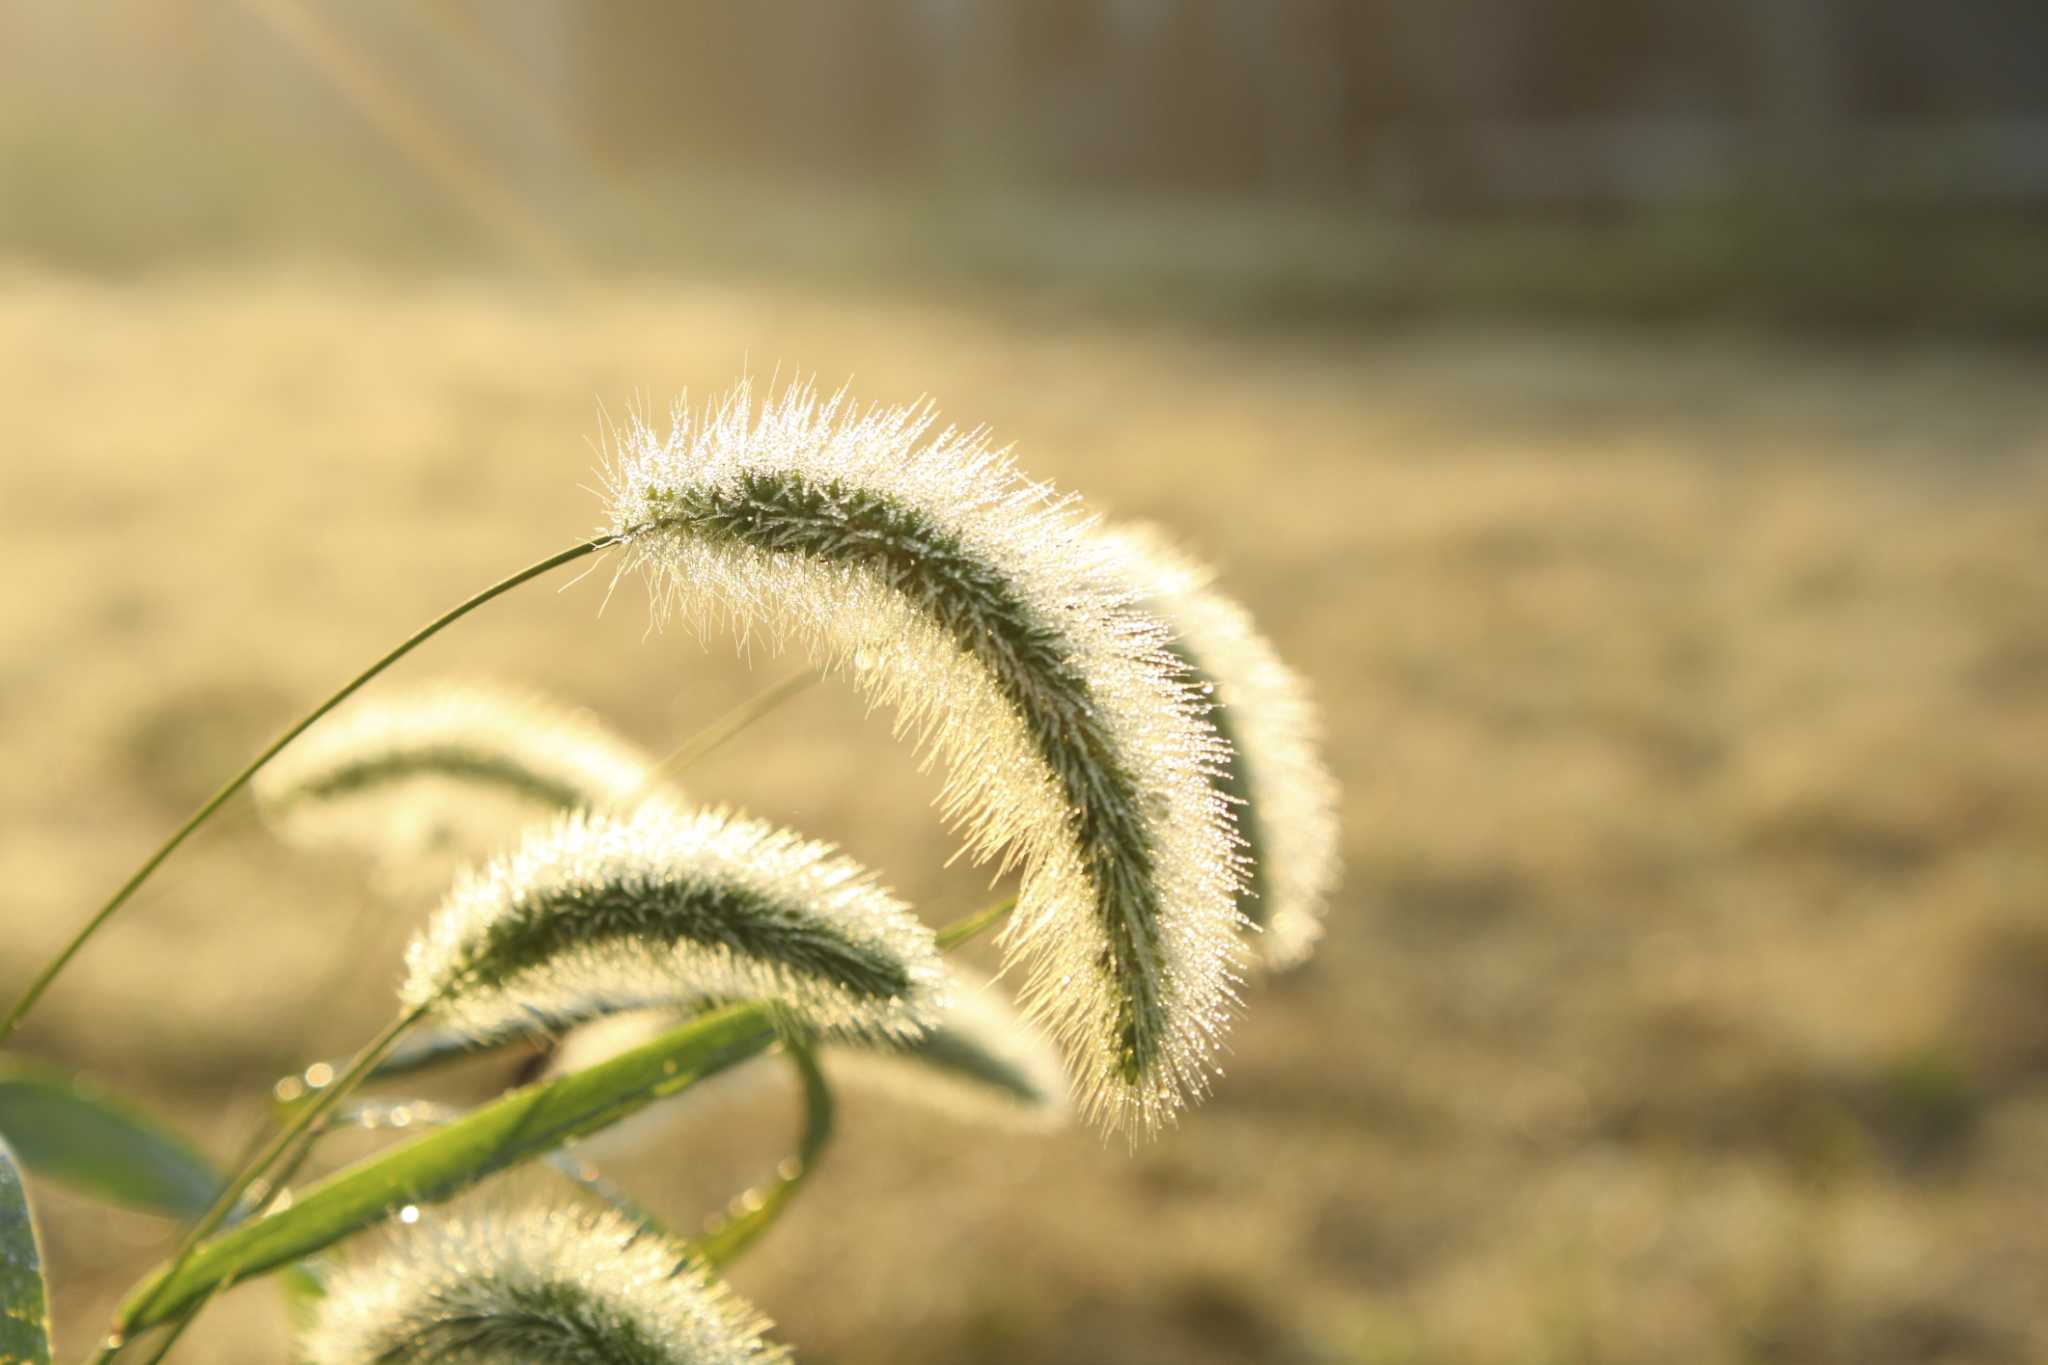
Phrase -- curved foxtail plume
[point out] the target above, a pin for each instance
(447, 770)
(1283, 796)
(977, 603)
(582, 1287)
(668, 907)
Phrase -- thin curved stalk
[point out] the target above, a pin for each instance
(701, 744)
(760, 1208)
(169, 1338)
(239, 780)
(951, 936)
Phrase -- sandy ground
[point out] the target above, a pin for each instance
(1684, 999)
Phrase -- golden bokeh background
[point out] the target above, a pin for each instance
(1671, 565)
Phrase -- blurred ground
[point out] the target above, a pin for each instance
(1684, 1000)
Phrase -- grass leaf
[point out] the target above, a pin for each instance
(71, 1132)
(522, 1125)
(24, 1307)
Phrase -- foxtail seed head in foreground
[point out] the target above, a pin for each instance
(447, 769)
(977, 604)
(539, 1287)
(667, 907)
(1283, 797)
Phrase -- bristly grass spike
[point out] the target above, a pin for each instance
(978, 604)
(568, 1287)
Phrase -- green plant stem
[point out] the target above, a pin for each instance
(241, 779)
(301, 1122)
(967, 927)
(722, 1245)
(170, 1338)
(700, 745)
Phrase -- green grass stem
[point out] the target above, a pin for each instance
(234, 784)
(723, 1244)
(973, 926)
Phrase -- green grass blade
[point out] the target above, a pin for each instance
(964, 1056)
(24, 1308)
(100, 1145)
(522, 1125)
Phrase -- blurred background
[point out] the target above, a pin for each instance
(1626, 413)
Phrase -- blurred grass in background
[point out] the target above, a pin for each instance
(1682, 1000)
(115, 195)
(1882, 168)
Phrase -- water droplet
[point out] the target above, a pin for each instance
(790, 1168)
(288, 1090)
(409, 1214)
(114, 1342)
(752, 1201)
(319, 1076)
(401, 1117)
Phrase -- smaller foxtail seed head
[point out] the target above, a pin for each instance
(666, 907)
(566, 1287)
(425, 780)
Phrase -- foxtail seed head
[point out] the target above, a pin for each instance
(451, 769)
(560, 1287)
(667, 907)
(1283, 797)
(977, 604)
